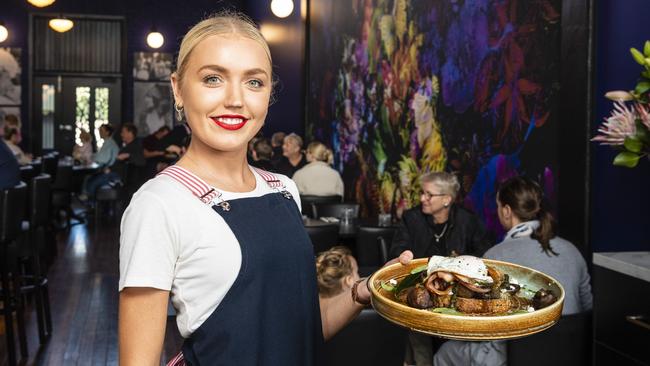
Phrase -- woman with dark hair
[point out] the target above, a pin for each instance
(530, 241)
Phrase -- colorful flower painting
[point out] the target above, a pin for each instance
(399, 88)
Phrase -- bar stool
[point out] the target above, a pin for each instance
(62, 194)
(39, 208)
(12, 208)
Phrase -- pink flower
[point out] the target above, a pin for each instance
(618, 126)
(644, 114)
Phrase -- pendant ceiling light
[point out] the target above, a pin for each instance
(41, 3)
(282, 8)
(4, 33)
(61, 24)
(155, 39)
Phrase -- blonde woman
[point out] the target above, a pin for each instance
(318, 178)
(226, 241)
(337, 271)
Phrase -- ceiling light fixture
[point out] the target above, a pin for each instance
(61, 24)
(4, 33)
(41, 3)
(155, 39)
(282, 8)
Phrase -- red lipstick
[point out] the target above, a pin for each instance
(230, 122)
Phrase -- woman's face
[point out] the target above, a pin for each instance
(225, 91)
(432, 199)
(504, 215)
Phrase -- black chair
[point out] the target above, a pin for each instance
(367, 340)
(62, 193)
(108, 195)
(12, 209)
(567, 343)
(334, 209)
(36, 282)
(27, 172)
(49, 165)
(370, 240)
(307, 203)
(323, 237)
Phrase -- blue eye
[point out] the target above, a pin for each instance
(212, 79)
(255, 83)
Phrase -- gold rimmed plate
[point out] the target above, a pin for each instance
(468, 327)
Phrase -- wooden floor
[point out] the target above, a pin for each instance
(84, 298)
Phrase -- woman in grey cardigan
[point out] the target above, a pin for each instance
(530, 242)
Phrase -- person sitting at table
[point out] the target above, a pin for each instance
(318, 178)
(83, 153)
(336, 272)
(262, 153)
(131, 153)
(277, 139)
(12, 138)
(530, 241)
(9, 168)
(106, 155)
(438, 226)
(157, 153)
(293, 158)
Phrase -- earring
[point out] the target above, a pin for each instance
(446, 205)
(179, 111)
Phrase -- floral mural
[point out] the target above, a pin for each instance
(399, 88)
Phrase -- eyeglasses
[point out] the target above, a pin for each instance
(428, 195)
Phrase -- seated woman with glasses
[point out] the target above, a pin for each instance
(437, 226)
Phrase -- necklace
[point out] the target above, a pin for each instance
(438, 236)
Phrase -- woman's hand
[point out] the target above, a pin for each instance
(364, 293)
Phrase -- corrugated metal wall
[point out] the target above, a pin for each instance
(91, 46)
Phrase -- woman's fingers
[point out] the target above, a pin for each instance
(404, 258)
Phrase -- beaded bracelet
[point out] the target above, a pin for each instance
(355, 294)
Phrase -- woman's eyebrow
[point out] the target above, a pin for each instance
(223, 70)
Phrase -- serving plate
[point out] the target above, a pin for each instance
(468, 327)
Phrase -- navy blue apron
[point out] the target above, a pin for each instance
(271, 314)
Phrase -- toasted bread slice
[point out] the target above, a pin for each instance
(480, 306)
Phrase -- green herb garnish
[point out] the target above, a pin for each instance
(387, 286)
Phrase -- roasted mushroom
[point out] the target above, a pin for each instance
(418, 297)
(543, 298)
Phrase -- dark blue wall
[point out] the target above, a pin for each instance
(620, 210)
(286, 41)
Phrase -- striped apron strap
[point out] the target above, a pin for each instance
(178, 360)
(270, 179)
(196, 185)
(274, 182)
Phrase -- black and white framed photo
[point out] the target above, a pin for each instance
(152, 106)
(10, 72)
(152, 66)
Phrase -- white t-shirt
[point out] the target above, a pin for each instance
(172, 241)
